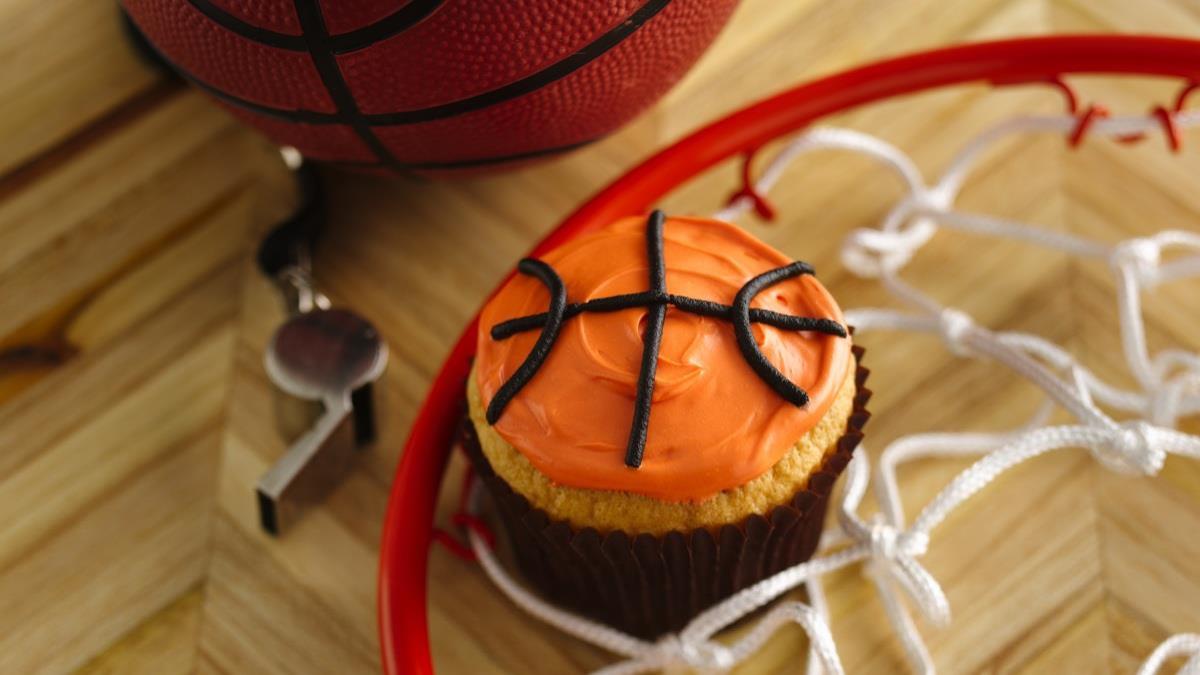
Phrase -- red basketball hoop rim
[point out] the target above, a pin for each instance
(408, 527)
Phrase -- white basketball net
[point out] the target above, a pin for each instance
(888, 546)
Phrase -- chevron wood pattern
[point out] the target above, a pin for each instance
(135, 415)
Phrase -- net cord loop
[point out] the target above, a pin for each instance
(887, 546)
(1183, 644)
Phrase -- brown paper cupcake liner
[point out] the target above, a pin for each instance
(650, 585)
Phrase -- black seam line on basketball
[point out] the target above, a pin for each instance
(390, 26)
(296, 115)
(509, 91)
(258, 34)
(467, 163)
(635, 446)
(496, 159)
(541, 348)
(530, 83)
(745, 339)
(312, 22)
(311, 117)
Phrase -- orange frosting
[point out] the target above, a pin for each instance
(714, 423)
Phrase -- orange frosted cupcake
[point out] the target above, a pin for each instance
(659, 410)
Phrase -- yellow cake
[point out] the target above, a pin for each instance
(659, 410)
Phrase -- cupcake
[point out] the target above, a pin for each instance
(658, 411)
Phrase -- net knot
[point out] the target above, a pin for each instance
(889, 542)
(672, 653)
(893, 565)
(936, 200)
(955, 325)
(1140, 256)
(873, 253)
(1134, 447)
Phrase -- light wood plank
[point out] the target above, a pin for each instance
(67, 63)
(163, 645)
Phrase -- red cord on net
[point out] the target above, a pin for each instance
(463, 519)
(1165, 117)
(762, 206)
(1083, 122)
(1068, 92)
(1083, 118)
(1087, 116)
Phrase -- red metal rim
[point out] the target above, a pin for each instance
(408, 528)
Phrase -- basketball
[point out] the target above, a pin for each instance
(432, 86)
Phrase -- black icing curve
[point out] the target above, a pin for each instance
(657, 300)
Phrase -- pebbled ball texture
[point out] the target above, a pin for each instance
(432, 85)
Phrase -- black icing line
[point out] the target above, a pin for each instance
(541, 349)
(635, 447)
(745, 338)
(657, 299)
(613, 303)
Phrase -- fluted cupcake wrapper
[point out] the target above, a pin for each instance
(649, 585)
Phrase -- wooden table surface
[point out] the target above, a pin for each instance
(135, 415)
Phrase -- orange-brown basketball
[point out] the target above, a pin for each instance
(432, 85)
